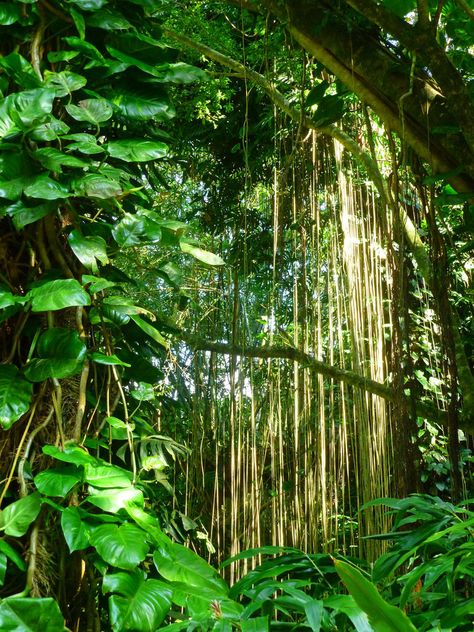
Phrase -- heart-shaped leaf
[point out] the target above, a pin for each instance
(137, 150)
(45, 188)
(50, 296)
(58, 481)
(54, 160)
(113, 500)
(74, 530)
(98, 186)
(123, 545)
(105, 475)
(85, 143)
(17, 517)
(64, 82)
(15, 395)
(93, 111)
(61, 353)
(140, 103)
(140, 604)
(71, 453)
(89, 249)
(23, 214)
(30, 615)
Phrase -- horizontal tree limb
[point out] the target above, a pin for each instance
(425, 410)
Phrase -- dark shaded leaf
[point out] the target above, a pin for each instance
(61, 353)
(89, 249)
(15, 395)
(30, 615)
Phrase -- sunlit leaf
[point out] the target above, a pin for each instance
(191, 248)
(137, 150)
(112, 500)
(139, 604)
(123, 546)
(89, 249)
(58, 481)
(93, 111)
(106, 476)
(58, 294)
(17, 517)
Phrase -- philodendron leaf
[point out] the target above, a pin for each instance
(74, 530)
(89, 249)
(102, 358)
(191, 248)
(107, 476)
(150, 331)
(112, 500)
(17, 517)
(85, 143)
(176, 563)
(93, 111)
(123, 546)
(71, 453)
(137, 150)
(382, 616)
(30, 615)
(45, 188)
(53, 295)
(138, 604)
(15, 395)
(54, 160)
(64, 82)
(98, 186)
(61, 353)
(58, 481)
(12, 554)
(129, 231)
(22, 215)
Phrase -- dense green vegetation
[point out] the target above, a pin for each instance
(236, 315)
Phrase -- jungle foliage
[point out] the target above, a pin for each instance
(131, 155)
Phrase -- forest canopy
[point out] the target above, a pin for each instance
(236, 315)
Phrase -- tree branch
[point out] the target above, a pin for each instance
(351, 378)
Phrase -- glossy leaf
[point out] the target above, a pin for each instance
(30, 615)
(97, 186)
(74, 530)
(85, 143)
(191, 248)
(61, 353)
(105, 475)
(176, 563)
(9, 13)
(93, 111)
(123, 546)
(382, 616)
(150, 331)
(139, 103)
(54, 160)
(182, 73)
(17, 517)
(11, 553)
(58, 481)
(138, 604)
(137, 150)
(108, 19)
(65, 82)
(71, 453)
(112, 359)
(89, 250)
(49, 130)
(45, 188)
(113, 500)
(54, 295)
(89, 5)
(129, 230)
(15, 395)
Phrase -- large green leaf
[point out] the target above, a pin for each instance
(141, 103)
(15, 395)
(16, 518)
(137, 150)
(49, 130)
(87, 49)
(74, 530)
(58, 481)
(150, 331)
(176, 563)
(71, 453)
(45, 188)
(98, 186)
(382, 616)
(105, 476)
(30, 615)
(89, 5)
(123, 546)
(9, 13)
(129, 230)
(89, 249)
(182, 73)
(12, 554)
(26, 109)
(23, 214)
(93, 111)
(61, 353)
(53, 295)
(113, 500)
(108, 19)
(64, 82)
(54, 160)
(192, 248)
(85, 143)
(139, 605)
